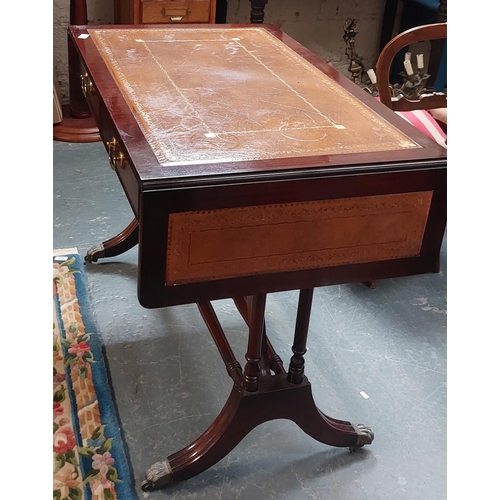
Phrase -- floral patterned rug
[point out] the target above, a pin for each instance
(89, 457)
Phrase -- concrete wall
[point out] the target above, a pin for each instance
(319, 25)
(316, 24)
(98, 12)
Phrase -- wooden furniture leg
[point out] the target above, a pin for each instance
(257, 396)
(255, 337)
(77, 125)
(117, 245)
(257, 12)
(296, 368)
(232, 365)
(271, 362)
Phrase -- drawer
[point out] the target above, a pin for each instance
(90, 94)
(175, 11)
(119, 161)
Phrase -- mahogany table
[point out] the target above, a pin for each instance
(253, 167)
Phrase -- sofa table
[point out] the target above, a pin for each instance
(253, 167)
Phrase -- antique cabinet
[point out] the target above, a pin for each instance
(164, 11)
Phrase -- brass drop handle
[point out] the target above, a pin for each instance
(118, 160)
(175, 15)
(87, 85)
(114, 159)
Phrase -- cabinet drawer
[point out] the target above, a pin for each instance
(90, 94)
(175, 11)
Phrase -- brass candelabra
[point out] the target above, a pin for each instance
(413, 84)
(365, 79)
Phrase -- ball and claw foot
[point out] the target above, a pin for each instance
(365, 436)
(158, 475)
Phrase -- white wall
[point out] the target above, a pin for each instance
(316, 24)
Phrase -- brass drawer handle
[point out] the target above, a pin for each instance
(175, 15)
(87, 85)
(117, 160)
(114, 159)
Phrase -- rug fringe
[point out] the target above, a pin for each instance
(63, 251)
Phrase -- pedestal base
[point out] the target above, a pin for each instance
(262, 391)
(276, 398)
(76, 129)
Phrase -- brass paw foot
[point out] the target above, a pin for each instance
(365, 436)
(158, 475)
(94, 253)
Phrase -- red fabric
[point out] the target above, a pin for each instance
(425, 122)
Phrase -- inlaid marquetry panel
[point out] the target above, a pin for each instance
(235, 94)
(227, 243)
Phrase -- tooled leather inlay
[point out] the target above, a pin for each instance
(231, 94)
(232, 242)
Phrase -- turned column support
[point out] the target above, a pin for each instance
(257, 396)
(257, 12)
(297, 362)
(270, 359)
(233, 367)
(255, 335)
(78, 124)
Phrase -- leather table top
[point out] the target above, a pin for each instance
(234, 94)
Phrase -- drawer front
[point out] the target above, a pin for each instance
(117, 154)
(119, 161)
(177, 11)
(90, 94)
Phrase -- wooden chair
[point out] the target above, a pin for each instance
(415, 13)
(434, 102)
